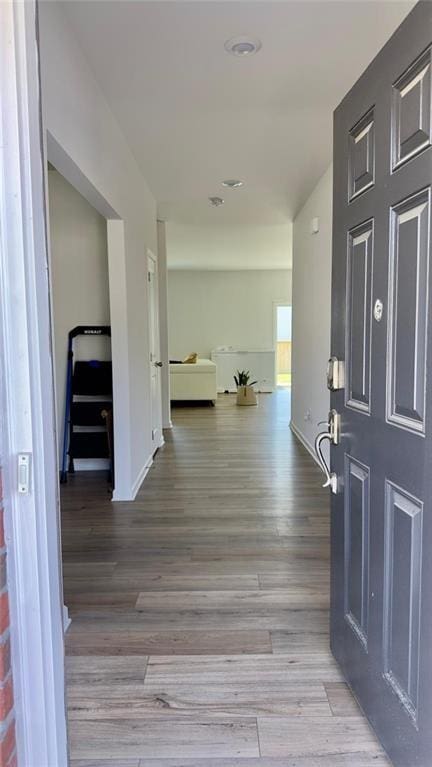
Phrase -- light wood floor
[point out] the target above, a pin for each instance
(199, 612)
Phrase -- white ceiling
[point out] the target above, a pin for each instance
(194, 115)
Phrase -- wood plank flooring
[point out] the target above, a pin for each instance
(199, 633)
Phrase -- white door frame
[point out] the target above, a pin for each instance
(153, 324)
(163, 324)
(27, 389)
(68, 168)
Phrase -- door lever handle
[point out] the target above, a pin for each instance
(331, 477)
(158, 364)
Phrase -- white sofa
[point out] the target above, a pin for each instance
(193, 382)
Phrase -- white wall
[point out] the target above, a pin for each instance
(79, 279)
(81, 124)
(311, 311)
(228, 246)
(207, 309)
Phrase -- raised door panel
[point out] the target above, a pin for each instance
(411, 118)
(402, 577)
(408, 308)
(357, 548)
(361, 175)
(358, 327)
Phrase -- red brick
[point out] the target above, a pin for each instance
(4, 658)
(4, 612)
(6, 698)
(7, 745)
(2, 571)
(2, 539)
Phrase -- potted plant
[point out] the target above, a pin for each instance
(245, 390)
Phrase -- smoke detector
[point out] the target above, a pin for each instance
(216, 201)
(232, 183)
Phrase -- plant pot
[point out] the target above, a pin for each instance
(246, 395)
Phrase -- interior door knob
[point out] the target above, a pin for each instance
(333, 436)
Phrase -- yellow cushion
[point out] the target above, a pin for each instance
(190, 359)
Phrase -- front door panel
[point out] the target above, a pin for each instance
(357, 548)
(408, 304)
(402, 574)
(358, 307)
(381, 613)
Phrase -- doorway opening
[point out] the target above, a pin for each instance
(80, 298)
(283, 344)
(154, 352)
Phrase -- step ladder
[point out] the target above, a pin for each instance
(88, 406)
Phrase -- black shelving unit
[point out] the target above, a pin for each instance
(88, 405)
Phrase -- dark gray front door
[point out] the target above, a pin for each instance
(381, 615)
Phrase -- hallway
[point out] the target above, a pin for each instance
(199, 633)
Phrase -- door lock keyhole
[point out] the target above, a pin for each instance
(378, 310)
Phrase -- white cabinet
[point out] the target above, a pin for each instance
(260, 363)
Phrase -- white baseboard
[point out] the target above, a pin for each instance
(305, 442)
(91, 464)
(130, 496)
(66, 619)
(116, 496)
(141, 477)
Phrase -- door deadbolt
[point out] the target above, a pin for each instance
(335, 374)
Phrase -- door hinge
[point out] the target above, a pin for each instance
(153, 434)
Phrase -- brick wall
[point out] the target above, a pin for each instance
(7, 717)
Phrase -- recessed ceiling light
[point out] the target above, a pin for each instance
(216, 201)
(242, 46)
(232, 183)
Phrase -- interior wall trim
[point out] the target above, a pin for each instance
(305, 442)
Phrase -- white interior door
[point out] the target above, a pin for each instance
(154, 350)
